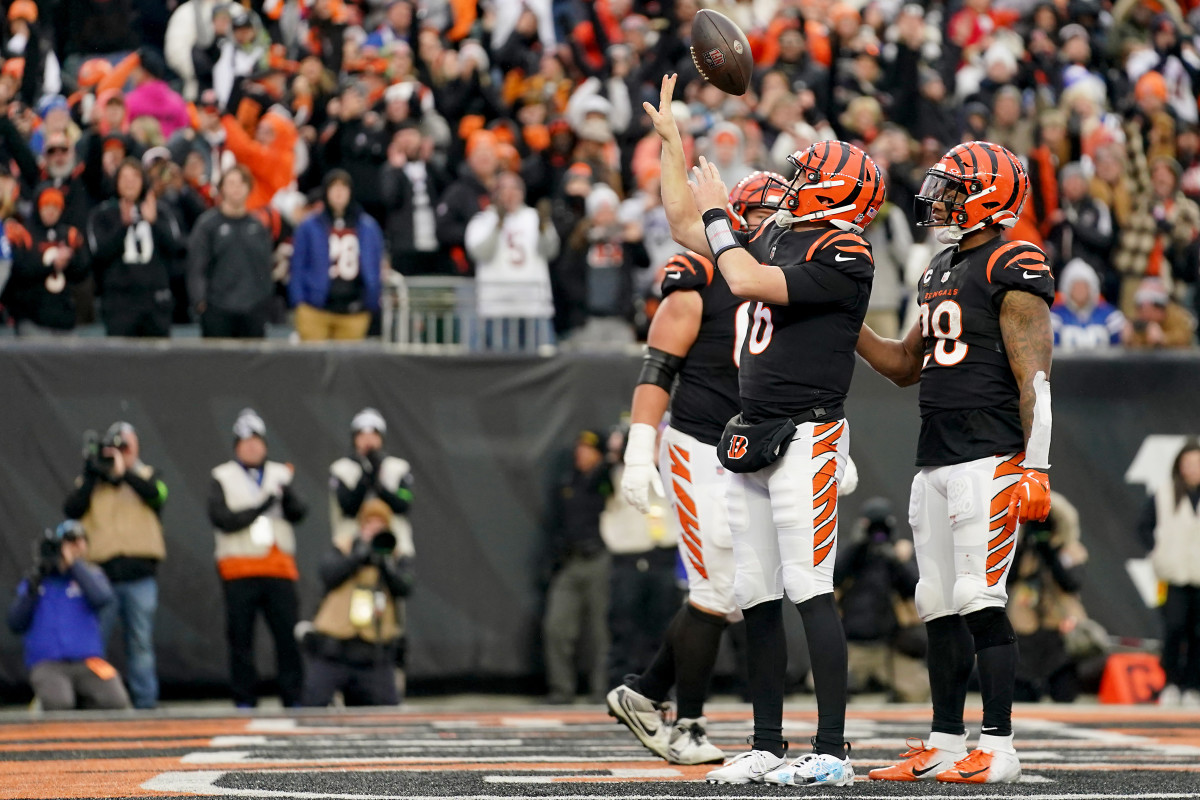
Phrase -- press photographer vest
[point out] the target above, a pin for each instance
(241, 493)
(1176, 554)
(391, 471)
(334, 617)
(119, 523)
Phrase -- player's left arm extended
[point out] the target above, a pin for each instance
(747, 278)
(1028, 340)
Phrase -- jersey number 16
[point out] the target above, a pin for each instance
(944, 323)
(758, 326)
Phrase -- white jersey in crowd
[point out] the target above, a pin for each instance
(512, 271)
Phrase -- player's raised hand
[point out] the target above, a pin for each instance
(708, 190)
(662, 117)
(1030, 499)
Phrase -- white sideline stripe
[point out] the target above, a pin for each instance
(244, 757)
(204, 783)
(306, 744)
(524, 722)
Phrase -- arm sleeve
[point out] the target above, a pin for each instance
(221, 517)
(336, 567)
(349, 499)
(152, 490)
(399, 500)
(294, 509)
(398, 575)
(94, 584)
(20, 613)
(814, 283)
(1147, 522)
(78, 501)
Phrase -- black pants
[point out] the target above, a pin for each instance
(1045, 668)
(130, 316)
(217, 323)
(1181, 636)
(360, 684)
(643, 598)
(276, 598)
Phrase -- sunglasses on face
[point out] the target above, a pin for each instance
(56, 150)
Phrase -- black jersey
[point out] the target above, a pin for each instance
(706, 395)
(970, 401)
(800, 355)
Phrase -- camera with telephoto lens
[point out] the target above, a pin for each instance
(383, 543)
(50, 545)
(94, 448)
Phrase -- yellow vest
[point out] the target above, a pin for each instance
(349, 611)
(119, 523)
(242, 493)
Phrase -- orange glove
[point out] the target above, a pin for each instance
(1030, 498)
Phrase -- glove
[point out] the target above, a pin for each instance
(1030, 498)
(640, 476)
(375, 458)
(849, 478)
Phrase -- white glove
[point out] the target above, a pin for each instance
(849, 480)
(640, 475)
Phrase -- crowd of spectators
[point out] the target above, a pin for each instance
(376, 135)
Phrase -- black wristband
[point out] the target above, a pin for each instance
(719, 231)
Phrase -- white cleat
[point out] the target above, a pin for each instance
(690, 744)
(813, 769)
(749, 767)
(642, 716)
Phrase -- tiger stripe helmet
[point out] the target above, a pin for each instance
(978, 184)
(751, 193)
(834, 182)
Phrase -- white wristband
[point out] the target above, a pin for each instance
(1037, 450)
(639, 445)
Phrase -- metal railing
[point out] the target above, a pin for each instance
(438, 314)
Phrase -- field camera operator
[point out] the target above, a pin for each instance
(118, 499)
(352, 646)
(57, 610)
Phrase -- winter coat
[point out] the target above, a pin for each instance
(309, 282)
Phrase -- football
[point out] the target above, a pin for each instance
(721, 52)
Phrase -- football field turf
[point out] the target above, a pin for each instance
(426, 751)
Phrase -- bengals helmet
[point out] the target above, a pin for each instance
(975, 184)
(834, 182)
(751, 193)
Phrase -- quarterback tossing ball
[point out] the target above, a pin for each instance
(721, 52)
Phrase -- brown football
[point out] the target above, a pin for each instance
(721, 52)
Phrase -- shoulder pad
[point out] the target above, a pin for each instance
(686, 271)
(1021, 265)
(844, 251)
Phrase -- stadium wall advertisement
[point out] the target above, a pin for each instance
(485, 437)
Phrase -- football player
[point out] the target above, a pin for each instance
(691, 338)
(807, 273)
(981, 352)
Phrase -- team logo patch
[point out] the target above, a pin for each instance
(737, 446)
(737, 47)
(945, 277)
(928, 276)
(773, 251)
(714, 58)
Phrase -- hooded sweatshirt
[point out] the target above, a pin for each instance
(350, 247)
(1095, 325)
(271, 165)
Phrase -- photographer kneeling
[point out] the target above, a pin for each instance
(352, 647)
(56, 608)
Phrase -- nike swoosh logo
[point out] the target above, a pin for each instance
(839, 258)
(919, 772)
(1029, 275)
(973, 774)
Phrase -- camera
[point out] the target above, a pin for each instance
(50, 545)
(383, 543)
(94, 447)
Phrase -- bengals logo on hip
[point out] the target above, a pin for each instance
(737, 446)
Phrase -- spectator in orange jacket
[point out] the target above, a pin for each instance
(270, 155)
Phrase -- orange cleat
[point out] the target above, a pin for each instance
(984, 766)
(920, 763)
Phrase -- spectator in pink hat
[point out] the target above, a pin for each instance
(152, 97)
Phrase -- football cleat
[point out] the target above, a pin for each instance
(813, 769)
(920, 763)
(983, 766)
(642, 716)
(690, 744)
(749, 767)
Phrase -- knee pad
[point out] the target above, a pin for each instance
(990, 628)
(801, 584)
(929, 600)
